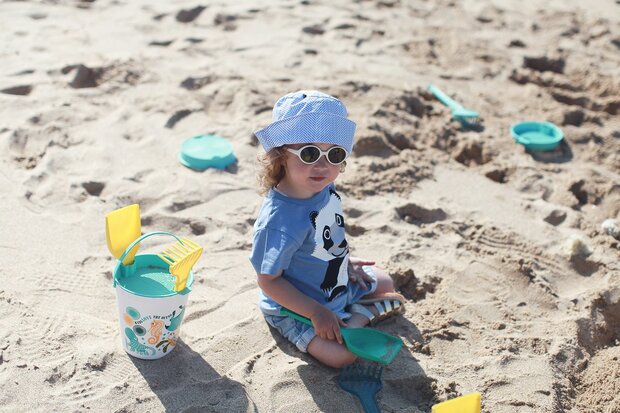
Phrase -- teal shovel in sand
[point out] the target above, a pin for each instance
(467, 117)
(366, 343)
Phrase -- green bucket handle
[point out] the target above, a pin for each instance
(133, 244)
(131, 268)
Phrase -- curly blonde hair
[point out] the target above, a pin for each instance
(271, 169)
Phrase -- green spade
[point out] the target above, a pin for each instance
(366, 343)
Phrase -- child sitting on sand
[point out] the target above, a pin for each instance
(300, 252)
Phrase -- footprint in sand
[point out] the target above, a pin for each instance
(315, 30)
(416, 214)
(93, 188)
(497, 174)
(344, 26)
(510, 247)
(412, 387)
(573, 117)
(576, 188)
(180, 206)
(53, 335)
(178, 115)
(195, 83)
(410, 286)
(355, 230)
(481, 285)
(77, 193)
(491, 14)
(180, 225)
(189, 15)
(28, 147)
(472, 153)
(226, 21)
(517, 43)
(86, 77)
(77, 368)
(556, 217)
(89, 278)
(194, 40)
(602, 328)
(593, 189)
(21, 90)
(98, 375)
(161, 43)
(37, 16)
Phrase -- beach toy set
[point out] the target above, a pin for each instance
(533, 135)
(152, 290)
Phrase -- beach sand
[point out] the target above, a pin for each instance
(513, 288)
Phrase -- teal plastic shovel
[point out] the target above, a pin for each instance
(467, 117)
(366, 343)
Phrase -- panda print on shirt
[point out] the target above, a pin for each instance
(331, 246)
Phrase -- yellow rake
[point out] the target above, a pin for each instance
(181, 257)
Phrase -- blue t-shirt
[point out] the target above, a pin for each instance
(306, 239)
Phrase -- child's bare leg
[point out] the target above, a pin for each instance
(385, 284)
(330, 352)
(336, 355)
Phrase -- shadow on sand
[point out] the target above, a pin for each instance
(404, 379)
(184, 381)
(561, 154)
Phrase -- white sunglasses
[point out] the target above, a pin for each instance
(310, 154)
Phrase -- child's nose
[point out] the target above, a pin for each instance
(323, 162)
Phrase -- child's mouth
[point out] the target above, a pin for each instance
(317, 178)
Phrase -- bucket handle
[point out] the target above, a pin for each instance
(132, 267)
(143, 237)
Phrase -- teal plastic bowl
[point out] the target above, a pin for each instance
(537, 136)
(206, 151)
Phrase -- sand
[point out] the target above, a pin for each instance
(513, 288)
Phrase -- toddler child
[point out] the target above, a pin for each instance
(300, 252)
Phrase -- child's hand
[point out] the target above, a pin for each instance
(327, 324)
(357, 274)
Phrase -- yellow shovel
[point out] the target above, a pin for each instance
(469, 403)
(122, 227)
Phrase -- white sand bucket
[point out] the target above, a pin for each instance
(150, 311)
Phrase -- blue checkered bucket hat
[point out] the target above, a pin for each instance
(308, 116)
